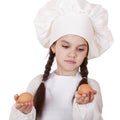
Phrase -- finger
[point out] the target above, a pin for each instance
(16, 97)
(23, 109)
(80, 100)
(86, 100)
(77, 95)
(91, 97)
(94, 91)
(19, 105)
(84, 95)
(28, 108)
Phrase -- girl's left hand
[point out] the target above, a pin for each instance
(85, 98)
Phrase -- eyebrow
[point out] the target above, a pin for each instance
(78, 45)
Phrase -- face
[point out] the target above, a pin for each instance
(70, 51)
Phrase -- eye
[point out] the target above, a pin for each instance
(81, 49)
(65, 46)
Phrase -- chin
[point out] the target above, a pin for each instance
(71, 69)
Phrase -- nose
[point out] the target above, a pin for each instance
(72, 53)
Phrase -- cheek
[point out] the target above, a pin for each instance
(81, 58)
(58, 55)
(80, 61)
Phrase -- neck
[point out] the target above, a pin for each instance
(66, 73)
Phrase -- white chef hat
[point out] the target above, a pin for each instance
(61, 17)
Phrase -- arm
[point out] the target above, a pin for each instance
(17, 114)
(90, 111)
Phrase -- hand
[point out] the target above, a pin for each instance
(85, 98)
(23, 107)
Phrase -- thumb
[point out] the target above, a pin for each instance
(16, 96)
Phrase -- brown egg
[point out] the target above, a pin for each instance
(25, 97)
(84, 88)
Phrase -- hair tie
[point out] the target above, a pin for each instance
(84, 77)
(43, 82)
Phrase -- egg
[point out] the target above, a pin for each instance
(25, 97)
(84, 88)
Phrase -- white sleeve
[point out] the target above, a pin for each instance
(16, 114)
(90, 111)
(34, 84)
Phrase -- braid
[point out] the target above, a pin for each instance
(84, 69)
(48, 65)
(39, 97)
(84, 72)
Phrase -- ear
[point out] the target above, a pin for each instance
(53, 48)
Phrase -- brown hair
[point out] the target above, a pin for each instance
(39, 97)
(84, 72)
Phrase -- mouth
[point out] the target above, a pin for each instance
(70, 61)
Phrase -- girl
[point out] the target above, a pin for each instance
(74, 31)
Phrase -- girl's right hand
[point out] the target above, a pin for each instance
(23, 107)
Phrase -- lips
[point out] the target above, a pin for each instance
(70, 61)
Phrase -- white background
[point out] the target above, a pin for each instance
(22, 57)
